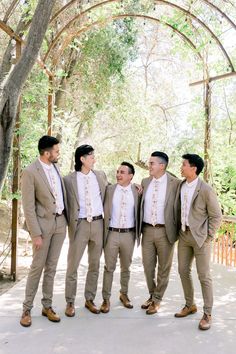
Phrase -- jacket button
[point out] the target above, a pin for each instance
(54, 202)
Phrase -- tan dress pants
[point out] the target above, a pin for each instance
(156, 249)
(45, 258)
(91, 235)
(121, 244)
(188, 249)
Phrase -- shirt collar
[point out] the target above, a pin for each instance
(193, 183)
(127, 188)
(160, 179)
(46, 166)
(81, 174)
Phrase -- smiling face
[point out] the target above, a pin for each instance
(123, 176)
(156, 167)
(88, 162)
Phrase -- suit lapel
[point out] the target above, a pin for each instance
(146, 183)
(197, 189)
(74, 185)
(168, 187)
(100, 183)
(111, 195)
(135, 194)
(43, 176)
(62, 184)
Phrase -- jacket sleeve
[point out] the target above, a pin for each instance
(214, 212)
(28, 203)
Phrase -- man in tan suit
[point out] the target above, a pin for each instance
(86, 192)
(200, 218)
(159, 228)
(121, 210)
(44, 204)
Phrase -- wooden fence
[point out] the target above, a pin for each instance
(224, 244)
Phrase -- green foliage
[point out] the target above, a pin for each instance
(103, 55)
(33, 115)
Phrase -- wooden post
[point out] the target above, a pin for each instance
(15, 182)
(207, 140)
(50, 104)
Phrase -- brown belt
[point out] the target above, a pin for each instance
(158, 226)
(121, 230)
(93, 218)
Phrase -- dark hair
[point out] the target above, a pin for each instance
(162, 155)
(46, 143)
(195, 160)
(82, 150)
(130, 167)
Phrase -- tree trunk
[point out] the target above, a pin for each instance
(12, 88)
(7, 56)
(207, 140)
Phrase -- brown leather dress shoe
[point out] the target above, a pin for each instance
(186, 311)
(126, 301)
(205, 322)
(90, 305)
(50, 314)
(153, 308)
(105, 306)
(26, 319)
(146, 304)
(70, 310)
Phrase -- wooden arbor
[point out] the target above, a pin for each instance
(73, 20)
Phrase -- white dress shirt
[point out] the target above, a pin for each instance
(52, 175)
(116, 207)
(96, 200)
(187, 191)
(162, 186)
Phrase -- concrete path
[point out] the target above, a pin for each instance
(122, 331)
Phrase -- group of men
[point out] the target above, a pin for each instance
(101, 216)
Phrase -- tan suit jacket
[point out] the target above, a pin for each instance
(108, 210)
(170, 211)
(205, 214)
(73, 198)
(38, 200)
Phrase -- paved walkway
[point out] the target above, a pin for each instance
(122, 331)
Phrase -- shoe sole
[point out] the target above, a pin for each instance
(151, 313)
(70, 315)
(145, 307)
(203, 329)
(190, 313)
(50, 319)
(102, 311)
(128, 307)
(26, 325)
(95, 312)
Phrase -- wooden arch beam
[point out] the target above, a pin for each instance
(104, 22)
(188, 13)
(217, 9)
(158, 2)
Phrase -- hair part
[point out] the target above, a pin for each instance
(194, 161)
(46, 143)
(131, 169)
